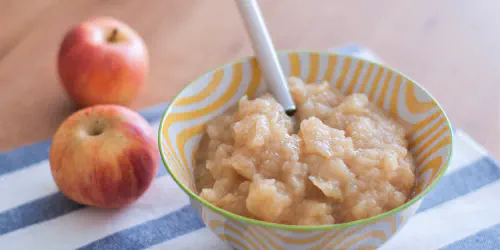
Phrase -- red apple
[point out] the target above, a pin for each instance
(102, 61)
(104, 156)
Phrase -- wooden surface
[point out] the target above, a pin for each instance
(452, 47)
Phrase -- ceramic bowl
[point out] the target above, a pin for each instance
(211, 94)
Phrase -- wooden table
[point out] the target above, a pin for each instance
(451, 47)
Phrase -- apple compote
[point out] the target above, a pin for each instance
(340, 159)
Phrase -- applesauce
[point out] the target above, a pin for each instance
(339, 159)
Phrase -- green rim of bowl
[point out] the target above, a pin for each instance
(296, 227)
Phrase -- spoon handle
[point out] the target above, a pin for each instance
(266, 54)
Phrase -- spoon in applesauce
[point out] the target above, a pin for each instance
(266, 54)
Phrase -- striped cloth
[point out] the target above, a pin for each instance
(460, 213)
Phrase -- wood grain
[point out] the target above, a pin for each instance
(451, 47)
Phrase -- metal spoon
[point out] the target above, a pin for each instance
(266, 54)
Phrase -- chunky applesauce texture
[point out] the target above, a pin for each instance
(339, 159)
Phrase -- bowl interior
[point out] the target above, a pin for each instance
(210, 95)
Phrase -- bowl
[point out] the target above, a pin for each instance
(211, 94)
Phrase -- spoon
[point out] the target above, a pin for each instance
(266, 54)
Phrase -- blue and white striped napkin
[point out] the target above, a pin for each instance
(462, 212)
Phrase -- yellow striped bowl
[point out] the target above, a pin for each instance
(211, 94)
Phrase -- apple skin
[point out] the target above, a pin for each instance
(95, 69)
(104, 156)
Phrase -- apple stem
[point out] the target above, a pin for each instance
(112, 37)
